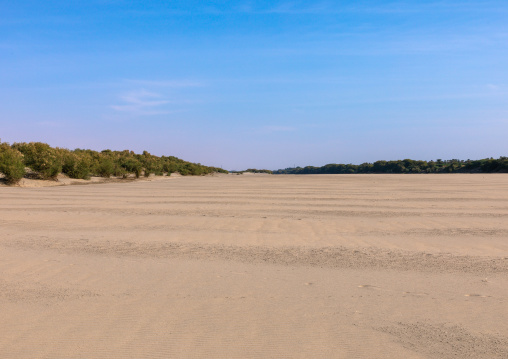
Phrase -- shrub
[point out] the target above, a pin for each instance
(132, 165)
(119, 171)
(169, 167)
(82, 169)
(75, 166)
(11, 164)
(69, 163)
(81, 163)
(41, 158)
(106, 168)
(151, 164)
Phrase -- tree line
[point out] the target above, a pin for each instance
(252, 170)
(46, 162)
(487, 165)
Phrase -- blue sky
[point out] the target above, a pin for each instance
(265, 84)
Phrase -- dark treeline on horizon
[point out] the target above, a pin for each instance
(252, 170)
(487, 165)
(46, 162)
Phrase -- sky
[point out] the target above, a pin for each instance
(258, 84)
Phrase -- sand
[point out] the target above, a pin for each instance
(257, 266)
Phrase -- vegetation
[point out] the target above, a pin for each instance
(487, 165)
(253, 170)
(11, 164)
(41, 158)
(47, 162)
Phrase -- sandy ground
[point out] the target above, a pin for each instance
(64, 180)
(257, 266)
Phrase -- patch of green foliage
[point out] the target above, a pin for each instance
(487, 165)
(48, 162)
(253, 170)
(11, 164)
(75, 166)
(41, 158)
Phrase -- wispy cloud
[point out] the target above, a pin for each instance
(148, 97)
(282, 8)
(433, 6)
(142, 103)
(404, 7)
(328, 7)
(166, 83)
(294, 8)
(494, 87)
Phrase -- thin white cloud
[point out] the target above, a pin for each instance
(142, 103)
(153, 96)
(404, 7)
(165, 83)
(328, 7)
(245, 7)
(284, 8)
(493, 87)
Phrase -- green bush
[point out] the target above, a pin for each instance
(152, 164)
(69, 163)
(82, 169)
(81, 163)
(169, 167)
(11, 164)
(132, 165)
(119, 171)
(41, 158)
(75, 166)
(106, 168)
